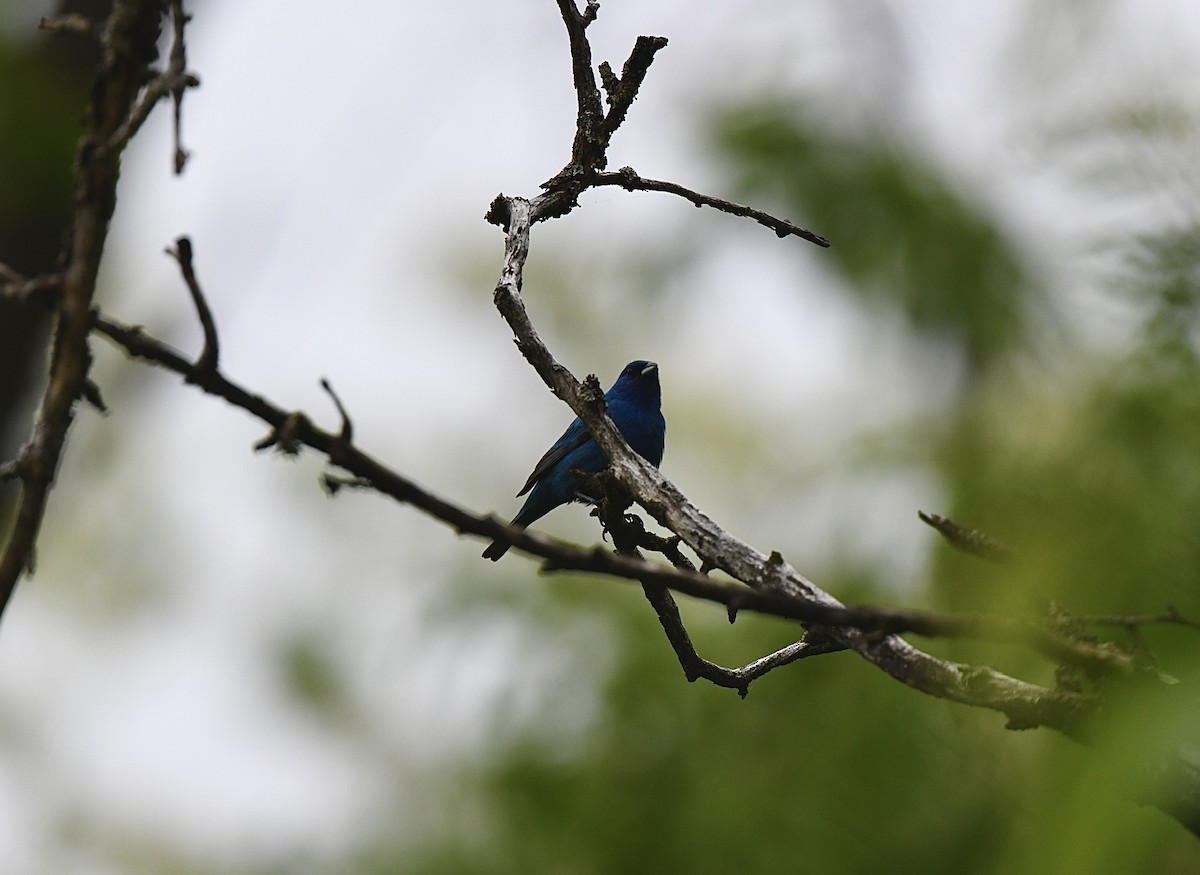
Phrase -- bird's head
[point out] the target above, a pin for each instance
(639, 379)
(640, 370)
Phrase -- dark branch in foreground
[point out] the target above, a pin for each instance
(173, 82)
(129, 46)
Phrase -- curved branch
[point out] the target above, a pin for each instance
(630, 181)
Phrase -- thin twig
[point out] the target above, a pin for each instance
(346, 435)
(181, 82)
(172, 82)
(627, 179)
(42, 289)
(210, 354)
(696, 667)
(621, 92)
(160, 87)
(629, 536)
(803, 649)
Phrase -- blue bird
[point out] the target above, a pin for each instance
(634, 405)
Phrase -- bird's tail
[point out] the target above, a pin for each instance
(496, 549)
(530, 511)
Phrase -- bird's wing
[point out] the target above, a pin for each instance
(574, 437)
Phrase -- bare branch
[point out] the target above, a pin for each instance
(173, 82)
(180, 80)
(621, 92)
(594, 130)
(129, 45)
(586, 151)
(160, 87)
(346, 435)
(210, 355)
(695, 667)
(627, 179)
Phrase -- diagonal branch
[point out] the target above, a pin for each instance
(559, 556)
(129, 46)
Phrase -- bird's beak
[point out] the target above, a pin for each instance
(650, 368)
